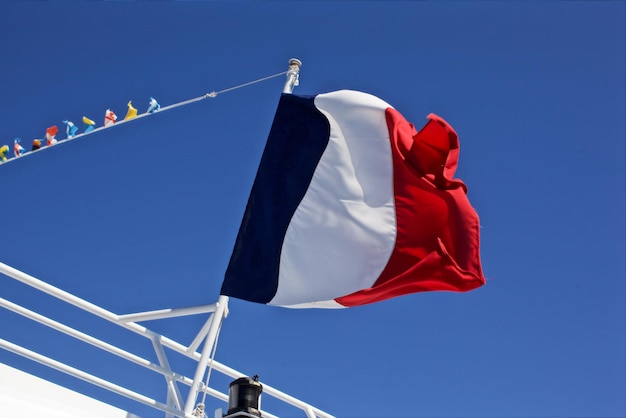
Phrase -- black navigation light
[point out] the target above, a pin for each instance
(244, 396)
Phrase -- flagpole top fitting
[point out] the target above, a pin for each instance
(292, 75)
(296, 62)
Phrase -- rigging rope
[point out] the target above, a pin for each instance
(208, 376)
(199, 410)
(212, 95)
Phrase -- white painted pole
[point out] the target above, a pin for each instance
(166, 313)
(200, 336)
(81, 336)
(173, 393)
(219, 314)
(292, 75)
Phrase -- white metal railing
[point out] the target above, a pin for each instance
(175, 405)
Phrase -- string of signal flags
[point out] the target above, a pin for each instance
(71, 130)
(110, 120)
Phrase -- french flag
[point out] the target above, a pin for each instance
(352, 206)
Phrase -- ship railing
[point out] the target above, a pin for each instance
(175, 405)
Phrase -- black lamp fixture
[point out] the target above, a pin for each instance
(244, 397)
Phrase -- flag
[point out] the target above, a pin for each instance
(154, 105)
(17, 148)
(71, 129)
(352, 206)
(131, 113)
(4, 150)
(50, 135)
(89, 124)
(36, 145)
(109, 118)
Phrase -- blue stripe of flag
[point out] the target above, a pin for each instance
(285, 172)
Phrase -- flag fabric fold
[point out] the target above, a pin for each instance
(18, 150)
(109, 118)
(154, 106)
(71, 129)
(50, 135)
(89, 124)
(4, 150)
(352, 206)
(131, 113)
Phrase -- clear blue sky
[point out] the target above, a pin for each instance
(144, 216)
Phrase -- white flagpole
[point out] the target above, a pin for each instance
(292, 75)
(222, 304)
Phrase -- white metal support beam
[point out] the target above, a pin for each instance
(218, 316)
(173, 393)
